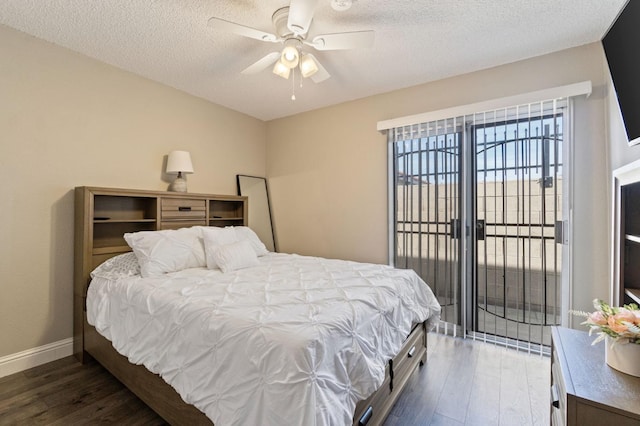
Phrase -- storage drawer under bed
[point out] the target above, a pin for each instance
(413, 349)
(373, 410)
(369, 410)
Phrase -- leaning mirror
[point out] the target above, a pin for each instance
(255, 188)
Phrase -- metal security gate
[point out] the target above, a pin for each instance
(428, 211)
(478, 199)
(518, 202)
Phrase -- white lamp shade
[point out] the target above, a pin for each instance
(281, 70)
(179, 161)
(308, 66)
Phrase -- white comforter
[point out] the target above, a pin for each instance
(294, 341)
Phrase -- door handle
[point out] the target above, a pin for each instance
(480, 230)
(455, 229)
(559, 232)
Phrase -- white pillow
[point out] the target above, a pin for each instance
(214, 237)
(122, 265)
(159, 252)
(244, 232)
(238, 255)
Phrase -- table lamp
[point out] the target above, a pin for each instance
(179, 162)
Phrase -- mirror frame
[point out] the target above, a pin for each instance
(268, 207)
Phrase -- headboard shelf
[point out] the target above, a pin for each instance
(125, 207)
(104, 215)
(227, 218)
(109, 220)
(111, 249)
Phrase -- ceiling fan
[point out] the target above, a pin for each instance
(291, 24)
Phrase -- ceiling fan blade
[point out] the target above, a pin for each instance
(343, 41)
(322, 74)
(242, 30)
(300, 15)
(261, 64)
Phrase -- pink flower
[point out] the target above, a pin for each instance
(615, 321)
(625, 315)
(597, 318)
(620, 323)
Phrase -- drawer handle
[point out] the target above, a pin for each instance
(184, 209)
(366, 416)
(555, 400)
(411, 351)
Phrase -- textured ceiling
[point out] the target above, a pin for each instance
(169, 41)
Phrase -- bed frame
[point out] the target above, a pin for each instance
(103, 215)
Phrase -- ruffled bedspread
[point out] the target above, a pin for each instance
(294, 341)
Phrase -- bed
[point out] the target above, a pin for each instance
(252, 337)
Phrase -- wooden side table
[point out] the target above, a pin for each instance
(585, 391)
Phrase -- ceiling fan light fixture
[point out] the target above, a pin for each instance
(290, 56)
(281, 70)
(308, 66)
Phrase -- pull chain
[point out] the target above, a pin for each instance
(293, 85)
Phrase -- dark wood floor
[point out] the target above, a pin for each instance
(463, 383)
(65, 392)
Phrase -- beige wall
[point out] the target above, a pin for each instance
(327, 168)
(67, 120)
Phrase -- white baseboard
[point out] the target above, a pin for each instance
(24, 360)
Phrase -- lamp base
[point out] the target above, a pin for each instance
(179, 184)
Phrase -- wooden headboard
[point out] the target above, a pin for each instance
(104, 215)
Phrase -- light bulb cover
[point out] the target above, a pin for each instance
(281, 70)
(290, 55)
(308, 66)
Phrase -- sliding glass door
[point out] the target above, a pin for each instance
(478, 208)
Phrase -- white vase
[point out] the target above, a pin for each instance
(624, 357)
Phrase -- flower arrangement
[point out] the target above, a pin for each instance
(622, 324)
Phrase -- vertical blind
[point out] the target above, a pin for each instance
(477, 199)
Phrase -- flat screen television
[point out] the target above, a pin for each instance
(622, 48)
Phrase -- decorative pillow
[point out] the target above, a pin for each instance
(238, 255)
(159, 252)
(214, 237)
(122, 265)
(244, 232)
